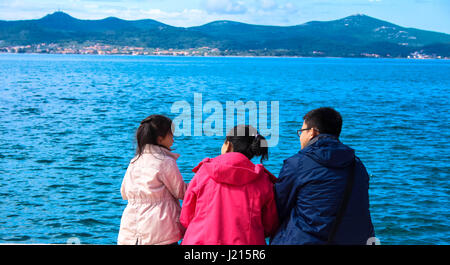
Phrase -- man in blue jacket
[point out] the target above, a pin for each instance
(322, 191)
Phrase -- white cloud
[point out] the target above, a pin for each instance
(184, 18)
(289, 8)
(268, 4)
(267, 12)
(225, 6)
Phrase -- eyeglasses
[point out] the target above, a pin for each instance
(299, 132)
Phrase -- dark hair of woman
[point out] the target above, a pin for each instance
(149, 130)
(246, 140)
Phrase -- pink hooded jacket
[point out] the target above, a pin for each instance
(152, 185)
(230, 201)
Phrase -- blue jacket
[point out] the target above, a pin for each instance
(309, 192)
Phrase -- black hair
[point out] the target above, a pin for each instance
(149, 130)
(246, 140)
(325, 120)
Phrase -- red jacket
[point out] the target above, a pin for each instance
(230, 201)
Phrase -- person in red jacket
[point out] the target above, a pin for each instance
(230, 200)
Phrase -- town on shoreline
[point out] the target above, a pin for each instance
(105, 49)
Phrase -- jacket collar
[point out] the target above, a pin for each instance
(328, 151)
(320, 136)
(158, 150)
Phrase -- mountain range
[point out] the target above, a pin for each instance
(351, 36)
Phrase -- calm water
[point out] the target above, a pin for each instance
(67, 124)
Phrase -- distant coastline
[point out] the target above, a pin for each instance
(356, 36)
(230, 56)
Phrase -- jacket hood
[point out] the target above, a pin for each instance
(328, 151)
(233, 168)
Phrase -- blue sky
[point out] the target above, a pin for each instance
(423, 14)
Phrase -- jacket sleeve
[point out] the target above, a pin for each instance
(270, 216)
(189, 204)
(285, 190)
(124, 183)
(172, 179)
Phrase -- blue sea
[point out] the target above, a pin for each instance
(67, 125)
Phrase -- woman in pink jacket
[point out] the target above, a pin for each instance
(152, 185)
(230, 200)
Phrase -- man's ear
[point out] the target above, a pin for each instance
(229, 147)
(314, 133)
